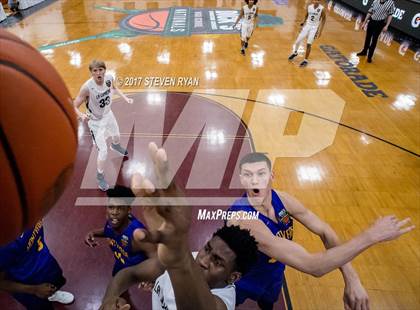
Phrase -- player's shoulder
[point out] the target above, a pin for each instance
(135, 223)
(87, 83)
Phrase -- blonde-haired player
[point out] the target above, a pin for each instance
(97, 93)
(312, 28)
(249, 15)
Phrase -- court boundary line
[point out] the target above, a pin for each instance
(316, 116)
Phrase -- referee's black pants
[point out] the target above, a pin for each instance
(374, 29)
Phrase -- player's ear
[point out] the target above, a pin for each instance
(234, 276)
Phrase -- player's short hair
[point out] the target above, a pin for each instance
(242, 244)
(96, 64)
(122, 192)
(247, 1)
(254, 157)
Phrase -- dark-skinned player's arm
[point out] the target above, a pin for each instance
(43, 290)
(318, 264)
(146, 271)
(9, 254)
(241, 15)
(355, 295)
(91, 235)
(256, 18)
(173, 246)
(322, 24)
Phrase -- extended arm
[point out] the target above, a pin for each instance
(120, 93)
(90, 237)
(354, 292)
(146, 271)
(318, 264)
(197, 296)
(173, 246)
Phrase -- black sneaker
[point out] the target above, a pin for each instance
(119, 149)
(102, 184)
(362, 53)
(246, 45)
(292, 56)
(303, 63)
(242, 51)
(369, 60)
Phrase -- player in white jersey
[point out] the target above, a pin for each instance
(312, 28)
(97, 93)
(249, 15)
(203, 282)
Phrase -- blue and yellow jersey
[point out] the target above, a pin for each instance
(121, 245)
(28, 259)
(267, 270)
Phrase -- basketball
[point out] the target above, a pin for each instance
(38, 135)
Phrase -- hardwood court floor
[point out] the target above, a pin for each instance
(348, 157)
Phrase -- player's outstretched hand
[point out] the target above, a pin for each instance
(355, 295)
(389, 228)
(168, 201)
(90, 240)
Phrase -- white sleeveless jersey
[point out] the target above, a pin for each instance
(249, 13)
(314, 14)
(163, 295)
(100, 97)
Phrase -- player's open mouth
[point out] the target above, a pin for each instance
(114, 221)
(256, 190)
